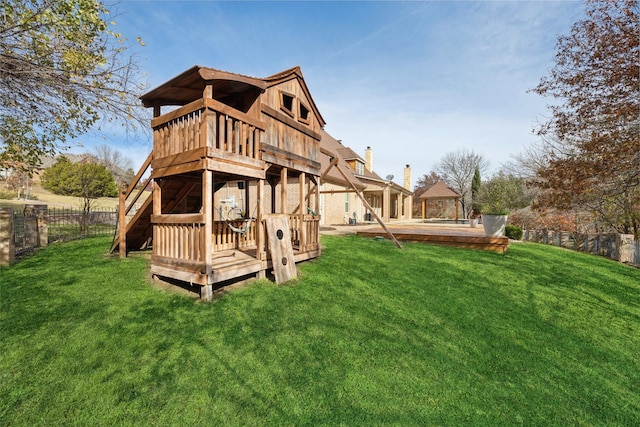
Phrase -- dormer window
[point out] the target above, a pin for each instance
(304, 113)
(286, 103)
(359, 168)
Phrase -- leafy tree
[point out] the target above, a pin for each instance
(83, 179)
(592, 140)
(476, 183)
(62, 69)
(458, 168)
(504, 193)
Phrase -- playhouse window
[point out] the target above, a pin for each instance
(304, 113)
(286, 103)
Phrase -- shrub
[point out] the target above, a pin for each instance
(513, 232)
(8, 195)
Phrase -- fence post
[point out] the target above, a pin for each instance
(7, 237)
(626, 248)
(42, 214)
(35, 226)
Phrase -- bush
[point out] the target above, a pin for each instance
(513, 232)
(8, 195)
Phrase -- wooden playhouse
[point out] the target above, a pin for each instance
(232, 182)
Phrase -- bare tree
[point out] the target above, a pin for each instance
(120, 166)
(458, 167)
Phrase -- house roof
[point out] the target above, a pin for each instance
(330, 144)
(440, 190)
(348, 154)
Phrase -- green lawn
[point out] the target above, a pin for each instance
(369, 335)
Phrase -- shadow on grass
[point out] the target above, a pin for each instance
(367, 335)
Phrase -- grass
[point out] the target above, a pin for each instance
(54, 200)
(368, 335)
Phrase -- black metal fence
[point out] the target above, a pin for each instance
(60, 225)
(66, 224)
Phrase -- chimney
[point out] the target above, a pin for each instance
(368, 159)
(407, 177)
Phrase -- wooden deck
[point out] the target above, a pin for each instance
(458, 235)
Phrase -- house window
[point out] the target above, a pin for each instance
(286, 103)
(304, 113)
(346, 202)
(359, 168)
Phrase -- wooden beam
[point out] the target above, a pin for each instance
(370, 209)
(121, 222)
(334, 162)
(283, 190)
(303, 208)
(290, 122)
(337, 191)
(260, 252)
(207, 209)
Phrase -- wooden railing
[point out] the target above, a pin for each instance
(207, 123)
(180, 236)
(225, 238)
(181, 241)
(131, 198)
(305, 232)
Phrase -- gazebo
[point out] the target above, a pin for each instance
(436, 202)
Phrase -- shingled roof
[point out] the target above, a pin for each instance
(440, 190)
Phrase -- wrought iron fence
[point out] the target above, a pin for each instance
(61, 225)
(67, 224)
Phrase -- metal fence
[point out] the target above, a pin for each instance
(66, 224)
(35, 227)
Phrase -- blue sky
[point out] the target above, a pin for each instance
(413, 80)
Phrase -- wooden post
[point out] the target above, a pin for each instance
(7, 237)
(283, 190)
(260, 238)
(386, 203)
(456, 200)
(303, 212)
(368, 206)
(122, 226)
(208, 131)
(157, 210)
(206, 292)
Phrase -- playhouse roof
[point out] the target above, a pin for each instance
(295, 73)
(189, 85)
(440, 190)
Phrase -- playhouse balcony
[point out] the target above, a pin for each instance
(207, 134)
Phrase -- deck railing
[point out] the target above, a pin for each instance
(207, 123)
(225, 238)
(305, 231)
(179, 240)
